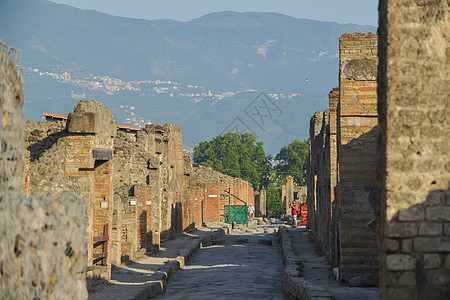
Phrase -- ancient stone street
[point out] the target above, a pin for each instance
(236, 266)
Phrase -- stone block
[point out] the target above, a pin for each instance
(391, 245)
(399, 293)
(82, 122)
(407, 245)
(400, 262)
(432, 244)
(407, 278)
(430, 293)
(438, 213)
(439, 277)
(431, 261)
(430, 229)
(447, 261)
(447, 229)
(397, 229)
(415, 213)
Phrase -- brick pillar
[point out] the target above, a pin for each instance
(357, 154)
(89, 147)
(414, 160)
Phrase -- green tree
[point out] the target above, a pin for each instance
(293, 160)
(237, 155)
(273, 201)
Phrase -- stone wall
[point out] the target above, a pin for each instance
(138, 184)
(357, 126)
(342, 163)
(77, 156)
(318, 199)
(414, 158)
(42, 239)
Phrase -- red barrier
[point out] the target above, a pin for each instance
(303, 215)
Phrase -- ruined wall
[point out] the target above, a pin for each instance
(42, 241)
(414, 165)
(357, 126)
(231, 191)
(132, 154)
(331, 144)
(316, 145)
(318, 198)
(77, 156)
(260, 203)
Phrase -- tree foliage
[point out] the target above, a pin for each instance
(292, 160)
(273, 201)
(237, 155)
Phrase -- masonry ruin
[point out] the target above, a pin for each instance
(42, 238)
(413, 152)
(378, 177)
(291, 193)
(342, 162)
(140, 186)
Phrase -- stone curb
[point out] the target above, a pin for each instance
(158, 281)
(295, 286)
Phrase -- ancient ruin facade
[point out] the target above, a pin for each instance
(291, 193)
(42, 238)
(342, 163)
(413, 153)
(139, 185)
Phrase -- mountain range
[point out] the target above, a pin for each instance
(203, 74)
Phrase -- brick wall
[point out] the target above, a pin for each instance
(211, 204)
(414, 164)
(357, 128)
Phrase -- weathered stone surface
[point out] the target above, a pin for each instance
(83, 122)
(361, 281)
(42, 239)
(401, 229)
(12, 152)
(438, 213)
(360, 69)
(412, 214)
(432, 244)
(431, 261)
(430, 229)
(400, 262)
(412, 98)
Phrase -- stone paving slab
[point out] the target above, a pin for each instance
(147, 277)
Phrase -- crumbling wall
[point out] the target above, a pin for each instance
(414, 158)
(77, 156)
(42, 240)
(231, 191)
(318, 198)
(331, 144)
(315, 152)
(132, 159)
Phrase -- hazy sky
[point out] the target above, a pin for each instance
(363, 12)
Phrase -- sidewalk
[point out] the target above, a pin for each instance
(308, 275)
(147, 277)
